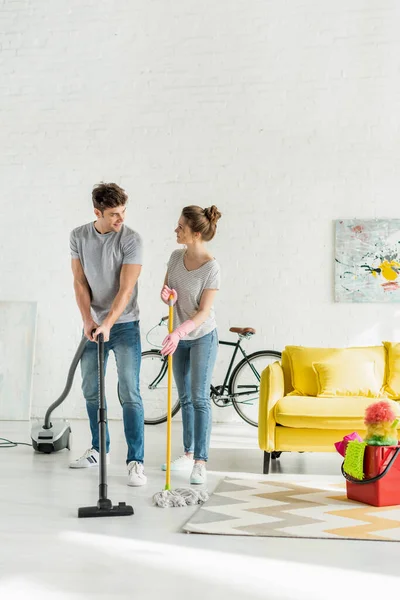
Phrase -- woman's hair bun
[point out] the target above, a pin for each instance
(212, 213)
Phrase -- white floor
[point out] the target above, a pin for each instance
(47, 552)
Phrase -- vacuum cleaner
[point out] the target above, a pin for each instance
(48, 438)
(104, 507)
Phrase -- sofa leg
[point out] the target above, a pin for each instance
(267, 458)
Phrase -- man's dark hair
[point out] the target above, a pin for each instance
(108, 195)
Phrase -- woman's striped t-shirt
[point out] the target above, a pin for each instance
(190, 286)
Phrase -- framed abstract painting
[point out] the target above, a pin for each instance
(367, 260)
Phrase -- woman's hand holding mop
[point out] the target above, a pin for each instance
(171, 342)
(167, 294)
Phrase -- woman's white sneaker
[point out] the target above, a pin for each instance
(90, 458)
(136, 476)
(183, 463)
(199, 474)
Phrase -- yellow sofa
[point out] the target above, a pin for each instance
(315, 396)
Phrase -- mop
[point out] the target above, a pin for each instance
(180, 496)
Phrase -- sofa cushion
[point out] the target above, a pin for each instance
(301, 358)
(392, 387)
(356, 377)
(346, 413)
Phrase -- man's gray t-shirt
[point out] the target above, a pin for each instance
(190, 286)
(102, 256)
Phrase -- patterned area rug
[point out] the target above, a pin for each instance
(276, 508)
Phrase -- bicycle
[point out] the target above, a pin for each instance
(239, 389)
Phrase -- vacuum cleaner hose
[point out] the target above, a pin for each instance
(68, 385)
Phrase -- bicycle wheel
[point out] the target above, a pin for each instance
(244, 384)
(154, 388)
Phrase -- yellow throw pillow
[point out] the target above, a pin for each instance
(347, 378)
(301, 359)
(304, 377)
(392, 387)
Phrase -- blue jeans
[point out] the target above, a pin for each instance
(125, 343)
(193, 365)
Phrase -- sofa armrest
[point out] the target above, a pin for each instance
(272, 389)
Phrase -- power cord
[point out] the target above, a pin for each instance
(4, 443)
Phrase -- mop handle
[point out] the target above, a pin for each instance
(169, 409)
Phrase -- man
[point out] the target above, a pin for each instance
(106, 264)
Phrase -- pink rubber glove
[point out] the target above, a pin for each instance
(166, 293)
(342, 445)
(172, 340)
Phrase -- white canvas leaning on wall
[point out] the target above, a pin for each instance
(367, 260)
(17, 345)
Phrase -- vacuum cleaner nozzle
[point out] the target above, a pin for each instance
(105, 508)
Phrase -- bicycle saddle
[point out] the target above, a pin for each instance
(243, 330)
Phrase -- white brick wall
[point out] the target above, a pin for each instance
(284, 114)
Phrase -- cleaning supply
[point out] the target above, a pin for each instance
(48, 437)
(381, 483)
(342, 445)
(354, 459)
(371, 467)
(104, 507)
(181, 496)
(381, 421)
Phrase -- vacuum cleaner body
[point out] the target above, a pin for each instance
(56, 438)
(46, 437)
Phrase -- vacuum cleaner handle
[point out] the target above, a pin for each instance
(102, 423)
(100, 360)
(68, 385)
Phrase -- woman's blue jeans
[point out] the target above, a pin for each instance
(193, 363)
(125, 343)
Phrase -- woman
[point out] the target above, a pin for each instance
(193, 278)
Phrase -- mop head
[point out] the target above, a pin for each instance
(180, 497)
(354, 459)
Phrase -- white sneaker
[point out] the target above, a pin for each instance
(90, 458)
(136, 476)
(182, 463)
(199, 474)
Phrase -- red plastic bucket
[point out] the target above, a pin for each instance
(381, 483)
